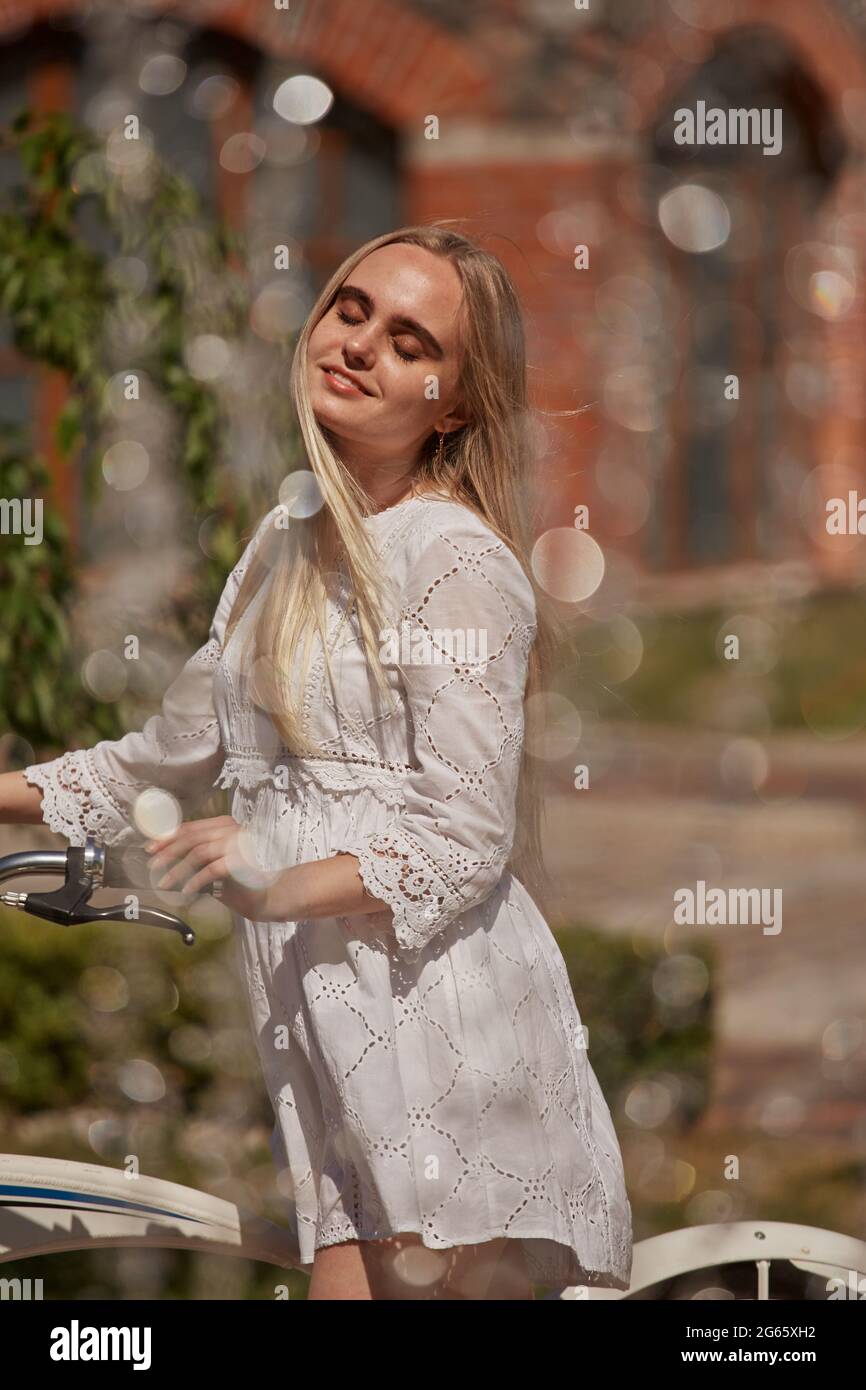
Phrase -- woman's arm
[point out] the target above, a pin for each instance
(320, 888)
(202, 851)
(467, 595)
(94, 791)
(20, 803)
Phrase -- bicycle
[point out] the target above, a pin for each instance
(50, 1206)
(748, 1250)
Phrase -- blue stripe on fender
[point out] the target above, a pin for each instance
(117, 1203)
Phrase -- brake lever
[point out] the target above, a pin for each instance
(150, 916)
(70, 904)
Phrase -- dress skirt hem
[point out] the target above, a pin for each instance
(549, 1262)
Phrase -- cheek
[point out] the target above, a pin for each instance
(326, 338)
(406, 389)
(317, 343)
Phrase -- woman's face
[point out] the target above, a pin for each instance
(393, 329)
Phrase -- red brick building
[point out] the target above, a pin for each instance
(554, 129)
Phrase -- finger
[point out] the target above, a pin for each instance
(160, 843)
(217, 868)
(199, 833)
(195, 859)
(171, 855)
(188, 832)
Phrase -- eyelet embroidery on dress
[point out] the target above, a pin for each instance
(339, 776)
(414, 1046)
(209, 654)
(75, 800)
(420, 891)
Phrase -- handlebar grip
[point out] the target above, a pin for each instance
(130, 866)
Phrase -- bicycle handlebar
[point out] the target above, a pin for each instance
(86, 869)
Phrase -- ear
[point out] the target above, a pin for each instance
(455, 421)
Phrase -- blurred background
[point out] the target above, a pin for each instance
(695, 316)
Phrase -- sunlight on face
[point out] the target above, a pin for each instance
(394, 332)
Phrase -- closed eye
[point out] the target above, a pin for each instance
(405, 356)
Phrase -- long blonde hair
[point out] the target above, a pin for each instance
(486, 466)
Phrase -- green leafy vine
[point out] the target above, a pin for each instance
(58, 292)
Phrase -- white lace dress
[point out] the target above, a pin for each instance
(428, 1072)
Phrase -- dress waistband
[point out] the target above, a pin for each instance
(336, 774)
(282, 756)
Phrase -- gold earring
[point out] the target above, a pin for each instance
(440, 452)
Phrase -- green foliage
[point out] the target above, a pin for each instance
(810, 673)
(41, 695)
(121, 1274)
(632, 1034)
(60, 1048)
(43, 1056)
(59, 292)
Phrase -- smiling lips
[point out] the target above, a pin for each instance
(343, 383)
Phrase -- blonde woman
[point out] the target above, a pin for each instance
(440, 1130)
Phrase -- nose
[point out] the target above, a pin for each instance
(358, 346)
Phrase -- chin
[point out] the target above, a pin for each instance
(327, 417)
(332, 429)
(325, 406)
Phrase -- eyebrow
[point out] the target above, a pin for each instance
(355, 292)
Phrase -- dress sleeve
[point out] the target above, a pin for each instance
(467, 623)
(92, 791)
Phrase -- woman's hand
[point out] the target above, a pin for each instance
(201, 851)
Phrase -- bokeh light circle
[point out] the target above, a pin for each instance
(694, 218)
(553, 726)
(568, 563)
(303, 99)
(300, 493)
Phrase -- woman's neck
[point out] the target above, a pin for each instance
(385, 484)
(385, 481)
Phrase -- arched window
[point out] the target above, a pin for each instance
(207, 100)
(732, 475)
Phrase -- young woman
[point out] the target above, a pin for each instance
(440, 1129)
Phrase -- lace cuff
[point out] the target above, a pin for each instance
(394, 867)
(75, 802)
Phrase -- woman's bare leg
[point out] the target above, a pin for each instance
(402, 1267)
(339, 1272)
